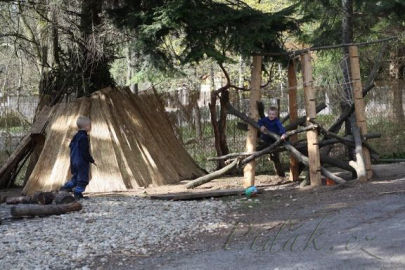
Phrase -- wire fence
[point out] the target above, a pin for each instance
(16, 116)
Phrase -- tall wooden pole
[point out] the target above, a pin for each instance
(249, 171)
(310, 108)
(359, 106)
(292, 103)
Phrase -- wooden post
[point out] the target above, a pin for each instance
(359, 106)
(292, 105)
(310, 108)
(249, 170)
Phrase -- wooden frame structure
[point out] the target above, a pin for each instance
(314, 157)
(310, 108)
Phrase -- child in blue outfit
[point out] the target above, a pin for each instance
(273, 124)
(80, 159)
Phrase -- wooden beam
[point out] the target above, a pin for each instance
(293, 110)
(359, 104)
(249, 170)
(310, 108)
(199, 195)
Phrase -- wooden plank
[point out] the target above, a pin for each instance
(41, 121)
(199, 195)
(249, 170)
(359, 104)
(292, 104)
(310, 108)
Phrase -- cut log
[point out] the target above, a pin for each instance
(63, 198)
(32, 210)
(43, 197)
(19, 199)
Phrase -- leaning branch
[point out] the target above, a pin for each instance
(206, 178)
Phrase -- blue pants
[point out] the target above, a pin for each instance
(80, 177)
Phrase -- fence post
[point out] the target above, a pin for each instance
(249, 171)
(310, 108)
(359, 105)
(292, 105)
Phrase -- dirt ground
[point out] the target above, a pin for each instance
(358, 226)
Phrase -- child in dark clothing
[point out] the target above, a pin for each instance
(80, 159)
(273, 124)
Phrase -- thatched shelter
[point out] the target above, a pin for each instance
(132, 142)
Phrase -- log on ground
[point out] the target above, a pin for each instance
(32, 210)
(19, 199)
(199, 195)
(64, 197)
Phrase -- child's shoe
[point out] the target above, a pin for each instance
(79, 196)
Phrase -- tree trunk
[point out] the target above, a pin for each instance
(131, 64)
(347, 37)
(224, 99)
(215, 128)
(398, 106)
(397, 75)
(240, 81)
(197, 121)
(249, 170)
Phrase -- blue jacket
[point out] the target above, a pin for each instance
(272, 125)
(80, 149)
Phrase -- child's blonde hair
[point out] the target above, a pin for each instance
(273, 109)
(82, 121)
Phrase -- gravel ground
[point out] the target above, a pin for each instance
(106, 225)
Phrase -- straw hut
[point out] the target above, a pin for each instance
(132, 142)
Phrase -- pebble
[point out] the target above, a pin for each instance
(106, 225)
